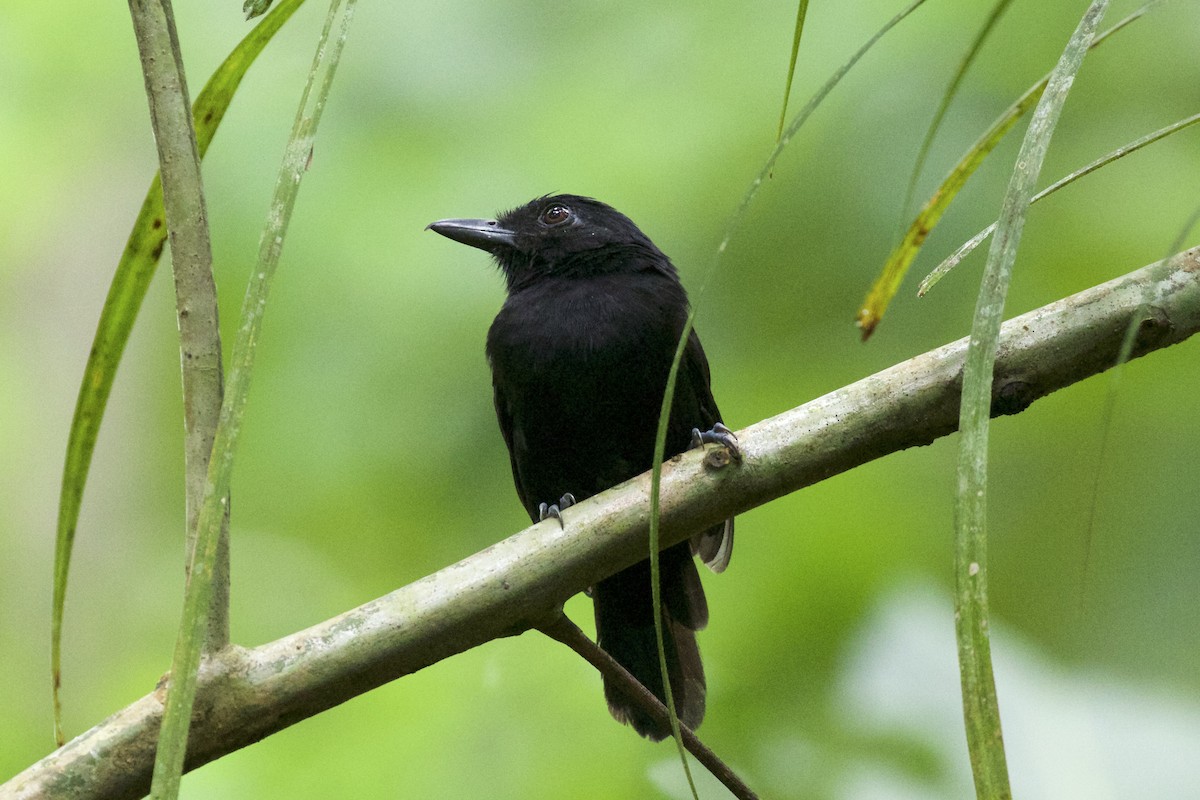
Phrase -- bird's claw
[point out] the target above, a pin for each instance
(718, 434)
(555, 510)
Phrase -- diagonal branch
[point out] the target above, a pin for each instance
(561, 629)
(247, 694)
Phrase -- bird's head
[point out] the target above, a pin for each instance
(562, 235)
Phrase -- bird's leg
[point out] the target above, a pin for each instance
(718, 434)
(564, 502)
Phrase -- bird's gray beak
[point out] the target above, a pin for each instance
(486, 234)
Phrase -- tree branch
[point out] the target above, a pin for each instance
(247, 694)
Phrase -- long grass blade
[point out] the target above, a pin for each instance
(660, 447)
(969, 246)
(935, 125)
(798, 121)
(181, 688)
(896, 267)
(981, 712)
(801, 13)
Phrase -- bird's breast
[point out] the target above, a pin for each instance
(585, 326)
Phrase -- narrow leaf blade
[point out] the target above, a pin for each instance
(129, 285)
(896, 267)
(969, 246)
(951, 90)
(801, 13)
(981, 712)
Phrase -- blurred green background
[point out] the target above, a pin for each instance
(370, 455)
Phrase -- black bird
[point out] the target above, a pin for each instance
(579, 354)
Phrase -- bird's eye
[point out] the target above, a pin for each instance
(556, 215)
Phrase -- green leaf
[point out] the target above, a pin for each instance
(981, 713)
(988, 26)
(813, 103)
(969, 246)
(130, 282)
(801, 12)
(896, 267)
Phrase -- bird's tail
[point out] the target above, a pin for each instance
(625, 629)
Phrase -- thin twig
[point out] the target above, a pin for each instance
(562, 629)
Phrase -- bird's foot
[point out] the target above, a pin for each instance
(564, 502)
(718, 434)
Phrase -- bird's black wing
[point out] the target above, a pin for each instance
(695, 368)
(715, 545)
(505, 418)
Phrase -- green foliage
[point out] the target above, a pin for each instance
(981, 36)
(801, 12)
(969, 246)
(893, 272)
(125, 295)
